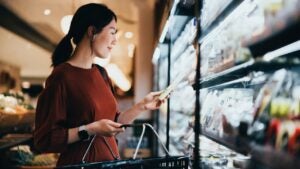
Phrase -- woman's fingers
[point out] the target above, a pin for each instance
(114, 124)
(153, 101)
(156, 93)
(158, 103)
(109, 127)
(116, 127)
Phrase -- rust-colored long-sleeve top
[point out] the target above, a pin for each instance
(73, 97)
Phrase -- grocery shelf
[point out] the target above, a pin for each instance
(174, 25)
(237, 144)
(11, 140)
(289, 52)
(17, 122)
(244, 82)
(281, 32)
(259, 153)
(241, 71)
(177, 25)
(227, 10)
(276, 48)
(185, 8)
(275, 39)
(225, 76)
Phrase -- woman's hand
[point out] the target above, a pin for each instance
(104, 127)
(151, 101)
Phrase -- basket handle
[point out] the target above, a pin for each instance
(88, 148)
(144, 125)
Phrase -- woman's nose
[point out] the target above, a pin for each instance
(114, 41)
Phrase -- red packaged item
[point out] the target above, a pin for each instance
(294, 142)
(286, 130)
(272, 132)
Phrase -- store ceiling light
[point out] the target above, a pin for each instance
(47, 12)
(65, 23)
(128, 35)
(118, 77)
(25, 85)
(130, 49)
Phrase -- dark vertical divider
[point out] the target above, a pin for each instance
(197, 129)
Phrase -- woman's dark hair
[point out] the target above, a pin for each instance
(96, 15)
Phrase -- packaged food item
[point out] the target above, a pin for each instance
(285, 131)
(268, 91)
(294, 142)
(273, 131)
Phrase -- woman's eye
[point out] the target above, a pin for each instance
(115, 32)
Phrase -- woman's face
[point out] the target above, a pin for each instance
(105, 40)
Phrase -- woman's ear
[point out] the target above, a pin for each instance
(91, 32)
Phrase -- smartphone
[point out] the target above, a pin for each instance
(130, 125)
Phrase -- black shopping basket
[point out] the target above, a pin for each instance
(167, 162)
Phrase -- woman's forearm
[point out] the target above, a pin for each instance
(129, 115)
(73, 135)
(150, 102)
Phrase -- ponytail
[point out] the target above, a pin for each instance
(63, 51)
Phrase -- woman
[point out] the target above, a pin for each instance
(77, 101)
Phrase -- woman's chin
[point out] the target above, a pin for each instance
(102, 59)
(105, 56)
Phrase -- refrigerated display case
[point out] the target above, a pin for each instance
(249, 52)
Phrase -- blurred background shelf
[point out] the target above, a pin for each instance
(237, 144)
(11, 140)
(272, 158)
(265, 155)
(15, 122)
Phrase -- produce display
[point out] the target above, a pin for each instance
(15, 111)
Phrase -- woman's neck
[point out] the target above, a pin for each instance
(82, 56)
